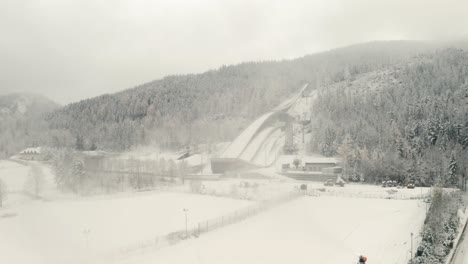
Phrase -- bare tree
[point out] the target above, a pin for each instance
(36, 181)
(3, 192)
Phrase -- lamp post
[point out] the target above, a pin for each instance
(411, 259)
(86, 233)
(412, 237)
(186, 231)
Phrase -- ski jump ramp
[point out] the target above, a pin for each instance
(259, 144)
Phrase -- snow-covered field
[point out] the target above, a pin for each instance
(308, 230)
(56, 232)
(368, 191)
(330, 227)
(14, 175)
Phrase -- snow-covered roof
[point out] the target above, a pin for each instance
(98, 153)
(31, 151)
(307, 159)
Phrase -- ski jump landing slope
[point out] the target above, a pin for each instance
(261, 140)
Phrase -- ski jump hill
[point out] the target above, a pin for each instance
(260, 143)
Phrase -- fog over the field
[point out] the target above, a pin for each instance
(70, 50)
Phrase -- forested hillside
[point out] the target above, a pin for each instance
(408, 121)
(213, 106)
(22, 122)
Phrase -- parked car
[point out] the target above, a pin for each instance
(410, 185)
(339, 183)
(329, 183)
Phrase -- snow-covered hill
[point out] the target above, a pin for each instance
(25, 104)
(22, 119)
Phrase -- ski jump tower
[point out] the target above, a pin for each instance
(260, 143)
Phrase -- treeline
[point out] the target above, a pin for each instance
(82, 174)
(407, 122)
(213, 106)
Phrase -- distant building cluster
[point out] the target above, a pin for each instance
(32, 154)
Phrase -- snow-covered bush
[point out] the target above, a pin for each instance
(440, 227)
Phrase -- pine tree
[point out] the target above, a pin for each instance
(78, 174)
(346, 153)
(93, 147)
(453, 171)
(79, 144)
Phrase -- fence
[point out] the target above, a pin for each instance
(205, 226)
(243, 213)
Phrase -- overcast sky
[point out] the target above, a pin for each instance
(70, 50)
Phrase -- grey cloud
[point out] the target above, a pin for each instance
(70, 50)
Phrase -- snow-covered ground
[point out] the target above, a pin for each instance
(268, 188)
(91, 230)
(14, 175)
(55, 231)
(355, 190)
(308, 230)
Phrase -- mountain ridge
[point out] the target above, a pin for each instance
(178, 110)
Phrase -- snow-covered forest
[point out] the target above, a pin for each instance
(213, 106)
(408, 121)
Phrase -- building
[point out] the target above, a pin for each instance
(310, 168)
(31, 154)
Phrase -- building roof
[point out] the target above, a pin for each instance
(307, 159)
(31, 151)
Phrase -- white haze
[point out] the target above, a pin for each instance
(70, 50)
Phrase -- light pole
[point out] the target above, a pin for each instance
(86, 233)
(186, 231)
(411, 259)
